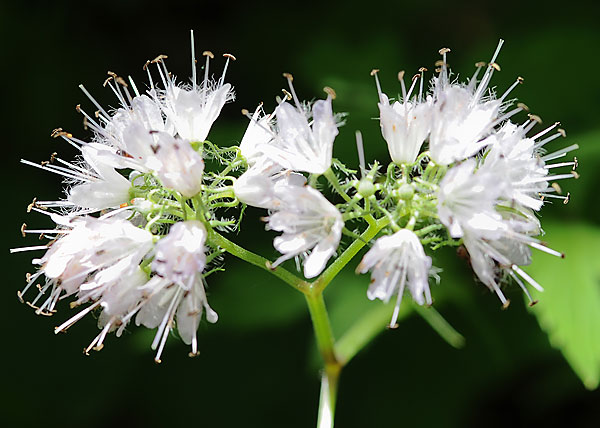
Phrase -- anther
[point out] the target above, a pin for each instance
(159, 58)
(288, 96)
(106, 81)
(439, 63)
(23, 229)
(506, 304)
(121, 81)
(54, 154)
(495, 66)
(562, 132)
(443, 51)
(329, 91)
(208, 54)
(20, 297)
(400, 75)
(288, 76)
(145, 67)
(32, 205)
(480, 64)
(575, 174)
(415, 77)
(375, 71)
(533, 303)
(227, 55)
(575, 163)
(422, 69)
(567, 199)
(111, 74)
(535, 118)
(269, 265)
(520, 79)
(557, 188)
(78, 108)
(245, 112)
(523, 106)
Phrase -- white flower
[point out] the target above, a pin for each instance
(258, 135)
(192, 109)
(179, 166)
(308, 222)
(463, 115)
(521, 162)
(398, 262)
(257, 186)
(497, 238)
(300, 145)
(97, 259)
(176, 292)
(103, 187)
(180, 255)
(404, 125)
(467, 198)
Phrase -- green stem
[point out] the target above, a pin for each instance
(327, 276)
(330, 176)
(252, 258)
(326, 345)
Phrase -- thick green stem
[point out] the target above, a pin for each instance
(252, 258)
(326, 345)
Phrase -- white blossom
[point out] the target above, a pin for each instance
(309, 222)
(467, 197)
(257, 186)
(179, 166)
(192, 109)
(176, 292)
(404, 124)
(258, 136)
(397, 262)
(520, 161)
(463, 115)
(497, 239)
(304, 135)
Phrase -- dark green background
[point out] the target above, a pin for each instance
(258, 365)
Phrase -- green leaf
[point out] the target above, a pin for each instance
(569, 308)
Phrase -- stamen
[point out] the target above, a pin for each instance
(193, 59)
(559, 153)
(422, 70)
(473, 80)
(361, 153)
(546, 249)
(488, 75)
(229, 57)
(93, 100)
(64, 326)
(527, 278)
(545, 131)
(513, 86)
(290, 78)
(374, 74)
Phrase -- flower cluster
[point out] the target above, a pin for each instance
(138, 232)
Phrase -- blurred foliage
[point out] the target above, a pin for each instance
(257, 366)
(570, 304)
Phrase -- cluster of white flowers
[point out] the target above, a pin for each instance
(138, 227)
(494, 179)
(141, 166)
